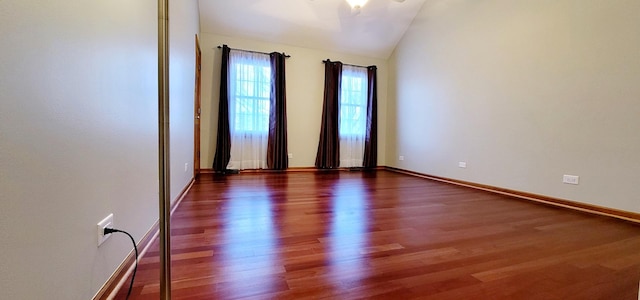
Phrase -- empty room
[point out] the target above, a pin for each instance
(320, 149)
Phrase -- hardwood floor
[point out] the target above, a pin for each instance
(348, 235)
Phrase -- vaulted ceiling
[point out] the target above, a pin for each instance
(329, 25)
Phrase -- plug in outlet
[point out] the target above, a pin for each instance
(105, 223)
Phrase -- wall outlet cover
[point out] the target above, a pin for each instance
(571, 179)
(105, 223)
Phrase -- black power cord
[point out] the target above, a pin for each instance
(133, 277)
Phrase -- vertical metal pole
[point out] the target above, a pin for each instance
(163, 152)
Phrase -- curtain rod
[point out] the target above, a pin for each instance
(285, 55)
(327, 60)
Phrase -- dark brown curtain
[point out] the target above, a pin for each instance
(371, 136)
(223, 140)
(277, 144)
(329, 146)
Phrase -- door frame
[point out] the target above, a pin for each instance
(197, 109)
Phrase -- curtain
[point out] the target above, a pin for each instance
(328, 155)
(223, 140)
(352, 115)
(371, 135)
(277, 158)
(249, 106)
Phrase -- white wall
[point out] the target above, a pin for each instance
(305, 83)
(184, 22)
(78, 137)
(524, 92)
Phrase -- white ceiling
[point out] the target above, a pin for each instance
(318, 24)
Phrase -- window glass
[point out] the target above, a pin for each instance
(251, 76)
(353, 101)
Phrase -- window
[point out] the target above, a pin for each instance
(354, 115)
(250, 93)
(353, 102)
(252, 132)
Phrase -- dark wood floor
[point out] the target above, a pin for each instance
(348, 235)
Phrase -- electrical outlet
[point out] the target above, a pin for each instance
(400, 157)
(462, 164)
(571, 179)
(105, 223)
(186, 166)
(290, 155)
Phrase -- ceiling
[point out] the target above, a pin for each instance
(318, 24)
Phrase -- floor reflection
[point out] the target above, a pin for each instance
(348, 236)
(249, 242)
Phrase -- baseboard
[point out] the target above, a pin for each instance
(206, 171)
(117, 279)
(593, 209)
(295, 169)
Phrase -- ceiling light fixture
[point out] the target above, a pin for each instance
(357, 4)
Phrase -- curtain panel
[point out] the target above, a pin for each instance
(223, 140)
(328, 155)
(277, 153)
(249, 107)
(370, 159)
(352, 115)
